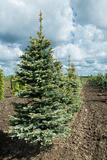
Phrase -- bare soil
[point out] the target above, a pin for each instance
(86, 141)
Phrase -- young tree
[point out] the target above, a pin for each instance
(44, 117)
(1, 85)
(73, 88)
(14, 85)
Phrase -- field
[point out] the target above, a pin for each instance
(87, 140)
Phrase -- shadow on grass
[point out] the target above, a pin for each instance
(18, 149)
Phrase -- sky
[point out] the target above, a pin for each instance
(76, 27)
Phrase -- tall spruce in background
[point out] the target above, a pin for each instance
(73, 88)
(1, 85)
(44, 117)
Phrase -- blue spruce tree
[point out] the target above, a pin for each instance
(45, 116)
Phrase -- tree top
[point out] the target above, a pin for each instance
(41, 21)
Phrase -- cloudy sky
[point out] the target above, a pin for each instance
(76, 27)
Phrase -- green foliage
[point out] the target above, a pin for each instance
(72, 89)
(45, 116)
(84, 79)
(1, 85)
(98, 81)
(16, 86)
(7, 77)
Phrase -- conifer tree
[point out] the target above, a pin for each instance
(73, 87)
(14, 85)
(1, 85)
(44, 116)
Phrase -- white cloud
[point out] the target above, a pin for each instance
(91, 11)
(89, 51)
(88, 33)
(69, 49)
(20, 18)
(17, 2)
(8, 52)
(9, 57)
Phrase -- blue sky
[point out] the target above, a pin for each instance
(76, 27)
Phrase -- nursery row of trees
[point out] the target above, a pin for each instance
(98, 80)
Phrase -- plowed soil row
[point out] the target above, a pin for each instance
(86, 141)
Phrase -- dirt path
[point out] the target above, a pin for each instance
(87, 141)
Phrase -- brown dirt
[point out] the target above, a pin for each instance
(87, 140)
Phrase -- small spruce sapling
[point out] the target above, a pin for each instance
(1, 85)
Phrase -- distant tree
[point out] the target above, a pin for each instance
(16, 86)
(73, 88)
(1, 85)
(98, 80)
(44, 117)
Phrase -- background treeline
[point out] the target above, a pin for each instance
(98, 80)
